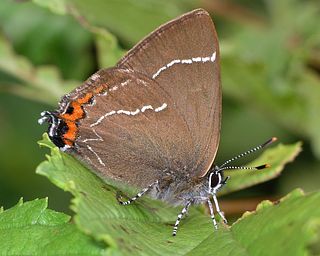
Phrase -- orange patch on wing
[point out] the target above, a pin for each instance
(70, 136)
(76, 114)
(85, 99)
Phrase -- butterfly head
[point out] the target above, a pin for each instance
(57, 127)
(216, 180)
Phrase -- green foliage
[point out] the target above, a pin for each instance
(56, 6)
(277, 157)
(290, 226)
(45, 38)
(145, 228)
(32, 229)
(42, 83)
(283, 228)
(270, 66)
(139, 18)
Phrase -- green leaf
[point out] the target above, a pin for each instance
(284, 228)
(32, 229)
(143, 228)
(43, 84)
(138, 19)
(268, 67)
(277, 157)
(108, 50)
(56, 6)
(130, 20)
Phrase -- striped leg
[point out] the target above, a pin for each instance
(138, 195)
(212, 214)
(183, 212)
(216, 204)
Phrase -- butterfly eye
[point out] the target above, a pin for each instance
(214, 179)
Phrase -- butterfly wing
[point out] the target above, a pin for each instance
(183, 57)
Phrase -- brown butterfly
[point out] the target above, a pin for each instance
(153, 120)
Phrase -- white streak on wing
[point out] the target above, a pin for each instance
(211, 58)
(114, 88)
(144, 108)
(172, 63)
(144, 83)
(133, 113)
(110, 113)
(128, 113)
(159, 71)
(125, 82)
(98, 157)
(98, 138)
(164, 105)
(198, 59)
(187, 61)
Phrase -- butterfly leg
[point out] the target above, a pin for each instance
(212, 214)
(140, 194)
(183, 212)
(216, 204)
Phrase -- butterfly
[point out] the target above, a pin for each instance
(153, 121)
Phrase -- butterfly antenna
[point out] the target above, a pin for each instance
(260, 167)
(261, 146)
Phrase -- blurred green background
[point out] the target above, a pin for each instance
(270, 57)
